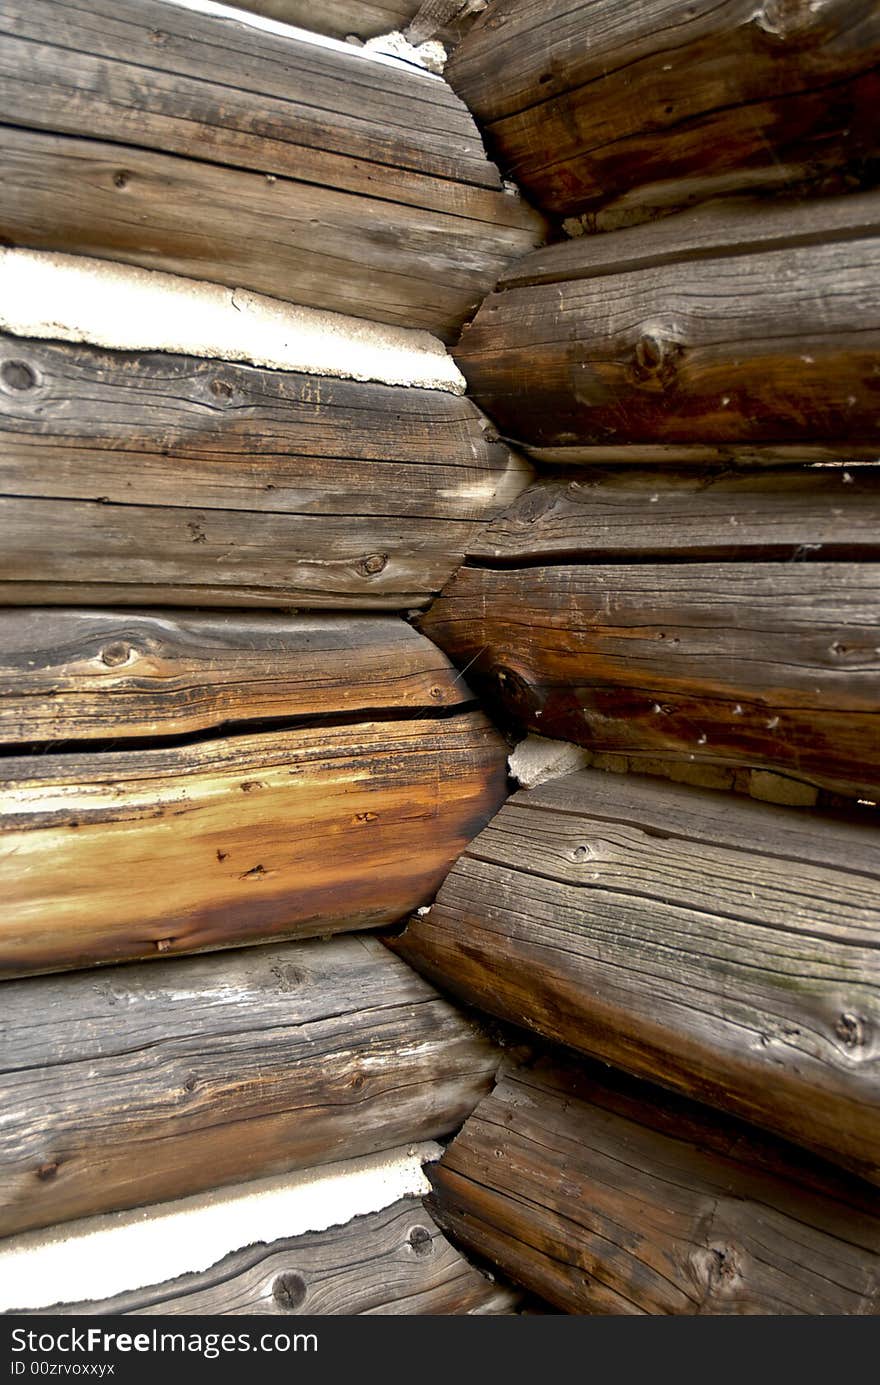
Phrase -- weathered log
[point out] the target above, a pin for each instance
(633, 515)
(68, 675)
(725, 948)
(396, 1261)
(606, 1196)
(163, 137)
(147, 1083)
(144, 853)
(705, 347)
(445, 20)
(760, 664)
(621, 110)
(123, 481)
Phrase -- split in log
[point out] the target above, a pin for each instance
(165, 479)
(159, 136)
(762, 665)
(606, 1196)
(632, 515)
(396, 1261)
(623, 110)
(733, 344)
(124, 854)
(721, 947)
(68, 675)
(146, 1083)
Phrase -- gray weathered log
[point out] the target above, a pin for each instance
(117, 854)
(621, 110)
(147, 478)
(718, 946)
(396, 1261)
(75, 674)
(144, 1083)
(768, 665)
(152, 134)
(607, 1196)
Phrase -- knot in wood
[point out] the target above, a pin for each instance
(288, 1291)
(373, 564)
(650, 353)
(120, 179)
(115, 654)
(420, 1240)
(850, 1030)
(221, 388)
(18, 375)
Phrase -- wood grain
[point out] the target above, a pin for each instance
(605, 1196)
(68, 675)
(765, 665)
(145, 1083)
(620, 110)
(163, 137)
(392, 1262)
(725, 948)
(445, 20)
(145, 853)
(153, 478)
(771, 349)
(633, 515)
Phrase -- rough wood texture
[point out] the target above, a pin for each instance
(446, 20)
(606, 1197)
(726, 354)
(757, 664)
(396, 1261)
(145, 1083)
(70, 675)
(144, 853)
(715, 945)
(620, 109)
(631, 515)
(151, 478)
(158, 136)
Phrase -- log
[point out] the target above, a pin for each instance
(123, 481)
(177, 140)
(444, 20)
(606, 1196)
(622, 111)
(148, 1083)
(216, 842)
(71, 675)
(392, 1262)
(725, 353)
(638, 515)
(764, 665)
(724, 948)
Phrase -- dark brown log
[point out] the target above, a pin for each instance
(161, 479)
(69, 675)
(715, 352)
(764, 665)
(605, 1196)
(633, 515)
(621, 110)
(147, 1083)
(144, 853)
(163, 137)
(396, 1261)
(725, 948)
